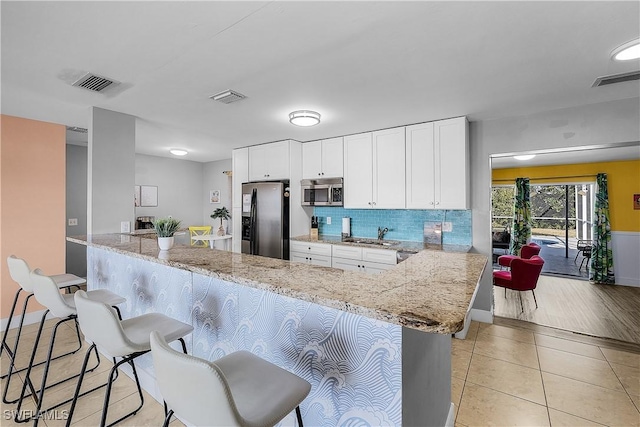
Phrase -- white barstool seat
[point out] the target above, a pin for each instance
(20, 273)
(63, 307)
(127, 339)
(239, 389)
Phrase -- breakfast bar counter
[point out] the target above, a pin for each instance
(376, 348)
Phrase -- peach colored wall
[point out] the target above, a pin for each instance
(32, 189)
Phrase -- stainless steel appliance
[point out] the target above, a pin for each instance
(265, 219)
(322, 192)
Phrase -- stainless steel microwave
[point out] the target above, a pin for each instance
(322, 192)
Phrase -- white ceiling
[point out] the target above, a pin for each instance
(570, 156)
(362, 65)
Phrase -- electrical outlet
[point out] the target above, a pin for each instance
(73, 221)
(447, 226)
(125, 227)
(328, 220)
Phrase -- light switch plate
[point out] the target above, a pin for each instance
(328, 220)
(125, 227)
(447, 226)
(73, 221)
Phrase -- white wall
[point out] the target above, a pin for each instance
(602, 123)
(110, 171)
(180, 188)
(215, 179)
(626, 247)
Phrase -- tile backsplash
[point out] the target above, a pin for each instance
(403, 224)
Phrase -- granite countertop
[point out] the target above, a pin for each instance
(398, 245)
(431, 291)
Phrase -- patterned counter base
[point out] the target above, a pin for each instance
(354, 363)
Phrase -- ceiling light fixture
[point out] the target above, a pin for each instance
(628, 51)
(178, 152)
(304, 118)
(524, 157)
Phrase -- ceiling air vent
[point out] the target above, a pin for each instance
(77, 129)
(228, 96)
(616, 78)
(94, 83)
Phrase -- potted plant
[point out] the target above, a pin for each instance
(165, 228)
(221, 213)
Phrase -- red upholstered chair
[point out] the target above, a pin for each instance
(523, 276)
(526, 252)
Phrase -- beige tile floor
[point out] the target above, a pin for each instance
(511, 376)
(501, 376)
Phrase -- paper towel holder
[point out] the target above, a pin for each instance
(346, 227)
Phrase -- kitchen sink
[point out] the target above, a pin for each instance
(371, 242)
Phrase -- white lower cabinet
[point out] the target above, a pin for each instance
(310, 253)
(344, 257)
(322, 261)
(365, 260)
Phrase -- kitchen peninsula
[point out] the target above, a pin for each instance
(376, 348)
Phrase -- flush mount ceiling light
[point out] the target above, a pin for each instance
(178, 152)
(304, 118)
(524, 157)
(628, 51)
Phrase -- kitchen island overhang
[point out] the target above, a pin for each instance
(359, 339)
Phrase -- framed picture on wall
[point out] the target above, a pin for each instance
(214, 196)
(148, 195)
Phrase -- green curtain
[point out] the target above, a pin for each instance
(521, 229)
(601, 270)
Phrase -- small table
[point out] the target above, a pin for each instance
(211, 238)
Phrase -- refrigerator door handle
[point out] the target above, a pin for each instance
(253, 246)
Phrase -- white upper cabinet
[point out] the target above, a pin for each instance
(322, 159)
(437, 161)
(389, 169)
(358, 171)
(268, 162)
(374, 165)
(420, 167)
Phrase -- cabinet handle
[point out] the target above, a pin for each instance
(374, 203)
(437, 203)
(322, 173)
(431, 203)
(369, 205)
(319, 173)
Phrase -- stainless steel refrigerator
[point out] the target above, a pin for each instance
(265, 219)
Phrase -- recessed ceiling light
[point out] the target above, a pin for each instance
(524, 157)
(304, 118)
(628, 51)
(178, 152)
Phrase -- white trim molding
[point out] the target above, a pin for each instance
(482, 316)
(29, 318)
(626, 247)
(451, 417)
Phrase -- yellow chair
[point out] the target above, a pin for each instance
(204, 230)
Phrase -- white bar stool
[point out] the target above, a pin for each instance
(127, 339)
(20, 271)
(239, 389)
(62, 306)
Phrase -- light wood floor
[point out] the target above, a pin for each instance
(608, 311)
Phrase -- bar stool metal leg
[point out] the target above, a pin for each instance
(39, 394)
(13, 353)
(6, 330)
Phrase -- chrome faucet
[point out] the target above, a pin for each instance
(382, 232)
